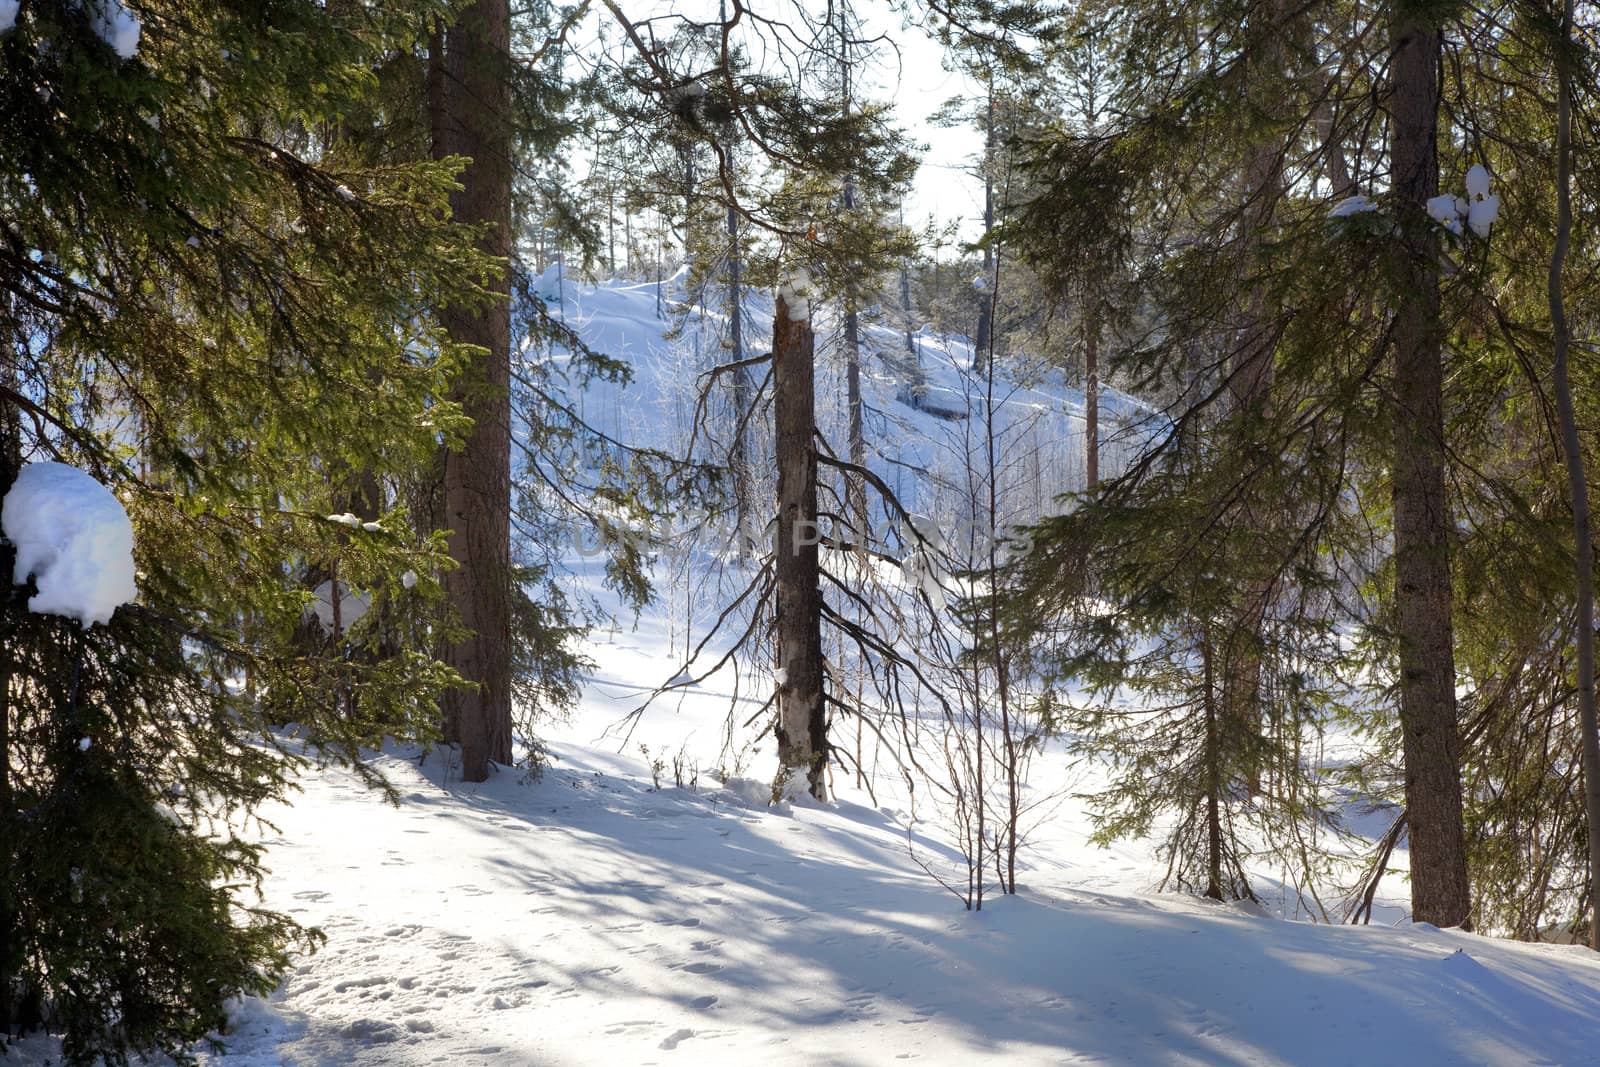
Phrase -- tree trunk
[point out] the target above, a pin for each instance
(1214, 782)
(855, 491)
(744, 540)
(1091, 394)
(474, 121)
(801, 728)
(10, 601)
(984, 341)
(1583, 540)
(916, 385)
(1250, 376)
(1423, 596)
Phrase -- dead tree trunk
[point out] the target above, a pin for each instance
(473, 112)
(801, 728)
(1423, 597)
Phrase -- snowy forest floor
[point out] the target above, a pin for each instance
(591, 917)
(603, 914)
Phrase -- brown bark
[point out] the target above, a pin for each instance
(470, 102)
(1423, 596)
(801, 728)
(1250, 376)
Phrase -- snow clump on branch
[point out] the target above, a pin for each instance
(73, 537)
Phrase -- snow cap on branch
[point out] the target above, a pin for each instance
(1352, 205)
(74, 538)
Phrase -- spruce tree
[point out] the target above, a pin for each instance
(213, 310)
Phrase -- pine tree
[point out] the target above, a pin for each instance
(475, 122)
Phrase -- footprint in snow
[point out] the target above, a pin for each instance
(702, 1003)
(703, 968)
(676, 1038)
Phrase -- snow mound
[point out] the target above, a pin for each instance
(75, 540)
(796, 293)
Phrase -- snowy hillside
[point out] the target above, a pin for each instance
(641, 903)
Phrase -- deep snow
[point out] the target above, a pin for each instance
(605, 914)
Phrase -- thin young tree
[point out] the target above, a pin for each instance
(1572, 449)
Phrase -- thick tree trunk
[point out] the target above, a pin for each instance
(474, 121)
(1583, 538)
(1423, 596)
(802, 722)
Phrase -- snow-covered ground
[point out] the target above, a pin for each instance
(603, 913)
(593, 918)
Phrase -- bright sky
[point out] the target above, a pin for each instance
(917, 83)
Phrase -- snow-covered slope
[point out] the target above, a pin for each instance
(605, 914)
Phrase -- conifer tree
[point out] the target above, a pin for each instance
(474, 121)
(209, 307)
